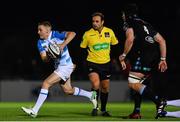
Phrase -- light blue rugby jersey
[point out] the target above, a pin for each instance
(57, 37)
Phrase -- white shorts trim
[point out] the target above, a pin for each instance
(133, 79)
(64, 72)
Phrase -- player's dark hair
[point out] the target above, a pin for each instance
(130, 10)
(45, 23)
(98, 14)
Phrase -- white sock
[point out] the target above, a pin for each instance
(173, 114)
(174, 102)
(81, 92)
(42, 97)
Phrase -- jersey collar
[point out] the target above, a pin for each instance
(49, 37)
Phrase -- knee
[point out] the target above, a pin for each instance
(105, 88)
(130, 85)
(95, 85)
(95, 81)
(134, 86)
(46, 85)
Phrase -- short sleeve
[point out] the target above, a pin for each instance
(40, 48)
(114, 40)
(61, 35)
(84, 42)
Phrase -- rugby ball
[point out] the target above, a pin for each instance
(54, 50)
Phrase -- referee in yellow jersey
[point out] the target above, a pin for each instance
(98, 41)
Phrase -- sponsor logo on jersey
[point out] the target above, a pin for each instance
(149, 39)
(98, 47)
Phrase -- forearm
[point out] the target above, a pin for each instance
(129, 41)
(127, 47)
(163, 49)
(69, 37)
(162, 45)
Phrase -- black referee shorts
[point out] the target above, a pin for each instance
(104, 70)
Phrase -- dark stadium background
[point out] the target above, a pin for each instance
(19, 58)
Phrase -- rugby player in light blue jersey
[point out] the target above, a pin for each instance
(63, 66)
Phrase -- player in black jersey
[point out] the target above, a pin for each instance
(145, 48)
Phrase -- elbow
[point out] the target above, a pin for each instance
(72, 33)
(158, 38)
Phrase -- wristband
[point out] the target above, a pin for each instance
(124, 55)
(163, 58)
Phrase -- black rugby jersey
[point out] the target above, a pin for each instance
(144, 33)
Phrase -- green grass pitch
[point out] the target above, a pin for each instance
(77, 112)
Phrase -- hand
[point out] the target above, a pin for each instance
(61, 47)
(123, 64)
(162, 66)
(122, 57)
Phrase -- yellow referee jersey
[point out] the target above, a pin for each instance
(99, 44)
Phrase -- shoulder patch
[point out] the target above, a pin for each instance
(106, 34)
